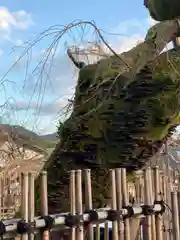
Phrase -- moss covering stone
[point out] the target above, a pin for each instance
(162, 10)
(116, 120)
(122, 114)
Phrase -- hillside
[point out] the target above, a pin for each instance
(49, 137)
(29, 137)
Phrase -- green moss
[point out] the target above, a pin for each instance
(162, 10)
(122, 118)
(116, 122)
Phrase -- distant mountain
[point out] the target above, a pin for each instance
(50, 137)
(24, 131)
(23, 134)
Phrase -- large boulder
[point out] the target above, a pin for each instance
(161, 10)
(125, 108)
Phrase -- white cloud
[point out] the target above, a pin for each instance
(19, 19)
(22, 19)
(131, 32)
(132, 24)
(126, 43)
(46, 108)
(13, 21)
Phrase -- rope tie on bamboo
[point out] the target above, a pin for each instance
(148, 210)
(130, 212)
(49, 221)
(23, 227)
(2, 229)
(163, 207)
(72, 220)
(114, 215)
(93, 216)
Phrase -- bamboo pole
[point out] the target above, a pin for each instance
(138, 201)
(119, 201)
(97, 231)
(152, 197)
(158, 219)
(44, 201)
(147, 201)
(106, 231)
(125, 201)
(24, 199)
(31, 202)
(168, 195)
(113, 203)
(1, 197)
(79, 230)
(72, 202)
(175, 217)
(88, 200)
(141, 190)
(178, 197)
(165, 221)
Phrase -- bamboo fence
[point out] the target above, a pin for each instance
(147, 208)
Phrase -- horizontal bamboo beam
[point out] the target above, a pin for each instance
(37, 224)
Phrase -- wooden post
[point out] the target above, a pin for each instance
(24, 203)
(88, 200)
(72, 202)
(31, 202)
(158, 219)
(79, 230)
(44, 201)
(125, 201)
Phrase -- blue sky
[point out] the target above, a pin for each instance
(34, 100)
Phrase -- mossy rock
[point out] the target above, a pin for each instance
(118, 120)
(162, 10)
